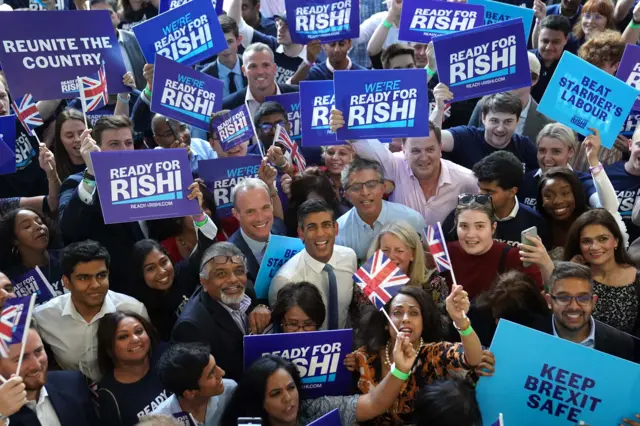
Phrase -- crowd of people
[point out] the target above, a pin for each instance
(148, 318)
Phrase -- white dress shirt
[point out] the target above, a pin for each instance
(302, 267)
(74, 342)
(44, 409)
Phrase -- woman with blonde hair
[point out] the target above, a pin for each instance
(400, 242)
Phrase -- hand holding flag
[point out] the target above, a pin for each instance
(14, 324)
(26, 110)
(380, 279)
(458, 304)
(283, 138)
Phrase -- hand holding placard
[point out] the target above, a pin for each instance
(592, 145)
(86, 148)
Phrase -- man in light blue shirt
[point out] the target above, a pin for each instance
(363, 181)
(228, 65)
(190, 373)
(170, 133)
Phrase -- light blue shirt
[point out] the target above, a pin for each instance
(215, 408)
(223, 75)
(355, 233)
(256, 247)
(200, 150)
(589, 342)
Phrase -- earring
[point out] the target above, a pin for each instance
(14, 250)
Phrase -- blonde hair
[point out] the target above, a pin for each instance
(158, 420)
(560, 132)
(405, 233)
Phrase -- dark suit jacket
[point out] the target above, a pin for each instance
(278, 228)
(212, 70)
(70, 397)
(79, 221)
(534, 122)
(136, 57)
(237, 99)
(205, 320)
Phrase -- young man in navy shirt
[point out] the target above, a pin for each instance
(337, 59)
(553, 35)
(499, 176)
(466, 146)
(252, 16)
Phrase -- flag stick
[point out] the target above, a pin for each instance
(2, 379)
(501, 420)
(446, 250)
(389, 318)
(84, 112)
(40, 143)
(26, 331)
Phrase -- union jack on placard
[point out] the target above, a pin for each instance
(27, 112)
(438, 247)
(93, 90)
(380, 279)
(14, 320)
(296, 156)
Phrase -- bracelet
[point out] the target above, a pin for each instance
(201, 223)
(284, 165)
(634, 24)
(399, 374)
(261, 306)
(429, 72)
(387, 24)
(123, 100)
(87, 176)
(147, 92)
(597, 169)
(467, 331)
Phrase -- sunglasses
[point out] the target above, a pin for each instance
(466, 199)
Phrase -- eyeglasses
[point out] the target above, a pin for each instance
(466, 199)
(370, 185)
(221, 260)
(582, 300)
(294, 326)
(267, 127)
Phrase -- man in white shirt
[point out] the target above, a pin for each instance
(363, 183)
(328, 266)
(52, 398)
(69, 323)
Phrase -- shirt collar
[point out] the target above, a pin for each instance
(301, 55)
(591, 338)
(381, 219)
(223, 70)
(242, 308)
(539, 172)
(254, 245)
(513, 214)
(41, 399)
(249, 96)
(70, 310)
(333, 69)
(525, 110)
(316, 265)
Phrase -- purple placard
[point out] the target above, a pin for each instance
(332, 418)
(484, 60)
(421, 20)
(7, 144)
(185, 94)
(70, 44)
(319, 356)
(144, 184)
(222, 174)
(166, 5)
(34, 282)
(382, 103)
(186, 34)
(291, 103)
(96, 114)
(233, 128)
(324, 20)
(316, 101)
(629, 70)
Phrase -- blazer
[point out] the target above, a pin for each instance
(278, 228)
(136, 57)
(236, 99)
(71, 399)
(205, 320)
(79, 221)
(212, 70)
(534, 122)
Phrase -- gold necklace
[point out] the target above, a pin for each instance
(387, 360)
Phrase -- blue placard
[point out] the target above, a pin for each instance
(44, 53)
(316, 101)
(324, 20)
(495, 12)
(279, 250)
(291, 103)
(332, 418)
(7, 144)
(185, 94)
(222, 174)
(186, 34)
(629, 70)
(319, 356)
(421, 20)
(581, 95)
(542, 379)
(166, 5)
(484, 60)
(233, 128)
(382, 103)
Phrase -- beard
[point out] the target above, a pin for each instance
(231, 300)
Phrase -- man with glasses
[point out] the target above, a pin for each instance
(170, 133)
(572, 302)
(223, 310)
(363, 181)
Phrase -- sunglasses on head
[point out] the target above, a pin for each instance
(466, 199)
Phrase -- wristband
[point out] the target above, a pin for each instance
(634, 25)
(597, 169)
(88, 176)
(201, 223)
(123, 100)
(147, 92)
(91, 183)
(467, 331)
(399, 374)
(387, 24)
(429, 72)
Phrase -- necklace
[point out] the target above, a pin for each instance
(387, 360)
(181, 241)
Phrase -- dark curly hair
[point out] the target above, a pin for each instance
(8, 236)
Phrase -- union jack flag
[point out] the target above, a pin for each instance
(380, 279)
(27, 112)
(283, 137)
(93, 90)
(438, 247)
(14, 322)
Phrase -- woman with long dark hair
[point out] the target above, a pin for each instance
(135, 12)
(298, 308)
(66, 143)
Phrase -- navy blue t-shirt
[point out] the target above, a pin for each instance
(287, 66)
(528, 190)
(322, 71)
(554, 9)
(267, 26)
(627, 187)
(469, 147)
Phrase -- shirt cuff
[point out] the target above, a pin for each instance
(144, 98)
(246, 31)
(85, 197)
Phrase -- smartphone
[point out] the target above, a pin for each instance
(531, 232)
(249, 421)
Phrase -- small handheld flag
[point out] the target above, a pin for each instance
(14, 322)
(27, 112)
(380, 279)
(93, 90)
(438, 247)
(296, 156)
